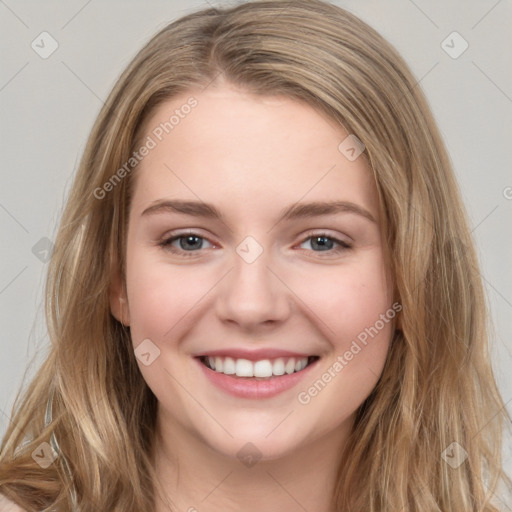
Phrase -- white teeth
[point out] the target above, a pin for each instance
(278, 367)
(229, 366)
(243, 368)
(289, 367)
(262, 368)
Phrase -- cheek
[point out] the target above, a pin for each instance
(355, 306)
(349, 299)
(161, 295)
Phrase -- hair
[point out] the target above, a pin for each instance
(437, 386)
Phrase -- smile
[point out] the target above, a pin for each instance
(255, 378)
(262, 369)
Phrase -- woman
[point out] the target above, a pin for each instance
(263, 294)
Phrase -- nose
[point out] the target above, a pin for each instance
(252, 296)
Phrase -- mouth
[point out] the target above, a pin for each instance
(260, 370)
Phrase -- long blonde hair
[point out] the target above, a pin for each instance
(437, 386)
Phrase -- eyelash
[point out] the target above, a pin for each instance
(166, 244)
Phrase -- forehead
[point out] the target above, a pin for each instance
(250, 150)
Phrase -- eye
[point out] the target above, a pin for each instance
(322, 242)
(187, 243)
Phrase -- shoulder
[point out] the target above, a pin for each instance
(8, 506)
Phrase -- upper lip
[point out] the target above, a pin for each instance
(252, 355)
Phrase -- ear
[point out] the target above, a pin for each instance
(118, 298)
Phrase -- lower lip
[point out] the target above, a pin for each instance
(247, 387)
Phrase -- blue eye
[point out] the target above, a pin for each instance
(190, 243)
(325, 243)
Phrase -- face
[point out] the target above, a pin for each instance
(254, 247)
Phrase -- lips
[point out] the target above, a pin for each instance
(253, 355)
(255, 374)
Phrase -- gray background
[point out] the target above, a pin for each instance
(48, 107)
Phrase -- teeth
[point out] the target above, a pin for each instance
(229, 366)
(262, 368)
(290, 366)
(278, 367)
(243, 368)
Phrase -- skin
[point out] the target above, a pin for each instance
(252, 156)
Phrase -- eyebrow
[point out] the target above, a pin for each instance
(294, 211)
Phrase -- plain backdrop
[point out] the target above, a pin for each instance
(48, 106)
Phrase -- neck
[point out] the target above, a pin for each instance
(193, 477)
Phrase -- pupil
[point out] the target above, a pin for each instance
(190, 239)
(324, 244)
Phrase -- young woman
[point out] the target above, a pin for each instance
(263, 294)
